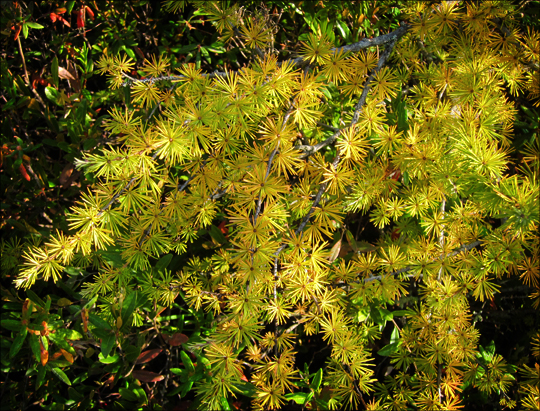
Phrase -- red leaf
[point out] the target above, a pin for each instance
(53, 16)
(80, 18)
(63, 20)
(17, 29)
(176, 339)
(224, 229)
(147, 356)
(90, 13)
(147, 376)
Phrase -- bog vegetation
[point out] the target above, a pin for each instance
(337, 220)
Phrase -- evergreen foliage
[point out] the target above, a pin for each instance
(246, 193)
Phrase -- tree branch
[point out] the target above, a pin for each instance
(309, 150)
(407, 269)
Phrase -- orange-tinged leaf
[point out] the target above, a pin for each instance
(44, 353)
(25, 307)
(63, 20)
(45, 330)
(84, 317)
(147, 376)
(148, 355)
(56, 355)
(22, 169)
(68, 356)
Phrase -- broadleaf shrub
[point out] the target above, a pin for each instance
(368, 199)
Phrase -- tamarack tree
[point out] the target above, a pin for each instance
(282, 164)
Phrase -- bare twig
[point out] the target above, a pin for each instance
(309, 150)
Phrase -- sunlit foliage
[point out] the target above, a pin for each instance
(413, 133)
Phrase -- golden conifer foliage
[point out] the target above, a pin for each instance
(410, 131)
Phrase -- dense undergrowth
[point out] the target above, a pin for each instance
(318, 205)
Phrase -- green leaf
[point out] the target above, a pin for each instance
(187, 362)
(75, 395)
(297, 397)
(51, 93)
(99, 333)
(61, 342)
(42, 371)
(217, 235)
(91, 303)
(61, 375)
(80, 113)
(12, 325)
(17, 344)
(128, 395)
(131, 352)
(68, 334)
(128, 307)
(113, 257)
(187, 48)
(365, 247)
(316, 383)
(401, 313)
(362, 315)
(386, 315)
(141, 394)
(175, 391)
(185, 388)
(107, 344)
(225, 404)
(245, 388)
(389, 349)
(48, 304)
(351, 240)
(34, 345)
(111, 359)
(402, 115)
(486, 353)
(394, 338)
(343, 29)
(33, 25)
(99, 322)
(163, 262)
(35, 299)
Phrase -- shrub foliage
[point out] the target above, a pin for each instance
(372, 196)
